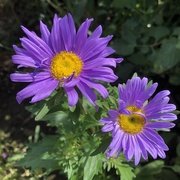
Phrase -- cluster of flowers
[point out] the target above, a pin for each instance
(64, 58)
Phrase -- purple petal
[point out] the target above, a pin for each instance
(160, 125)
(129, 151)
(137, 150)
(158, 97)
(148, 146)
(55, 36)
(39, 42)
(87, 92)
(116, 144)
(72, 96)
(96, 33)
(17, 77)
(165, 116)
(93, 48)
(113, 113)
(98, 87)
(141, 146)
(82, 35)
(39, 90)
(103, 73)
(68, 32)
(72, 83)
(168, 108)
(155, 138)
(98, 62)
(122, 93)
(33, 49)
(107, 51)
(107, 128)
(161, 154)
(44, 32)
(148, 92)
(106, 120)
(24, 61)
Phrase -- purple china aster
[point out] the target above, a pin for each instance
(64, 58)
(134, 124)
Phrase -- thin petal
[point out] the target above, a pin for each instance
(107, 128)
(104, 74)
(68, 32)
(37, 88)
(154, 137)
(87, 92)
(29, 77)
(72, 96)
(39, 42)
(165, 116)
(113, 113)
(23, 60)
(160, 125)
(44, 32)
(98, 87)
(82, 35)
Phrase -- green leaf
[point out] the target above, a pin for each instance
(49, 103)
(123, 47)
(39, 155)
(34, 109)
(158, 32)
(167, 57)
(176, 168)
(126, 172)
(93, 166)
(56, 116)
(152, 168)
(102, 147)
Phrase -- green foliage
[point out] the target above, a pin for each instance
(40, 155)
(147, 35)
(122, 169)
(78, 148)
(156, 170)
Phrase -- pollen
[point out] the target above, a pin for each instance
(65, 64)
(133, 123)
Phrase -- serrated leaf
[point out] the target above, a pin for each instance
(126, 172)
(93, 166)
(37, 158)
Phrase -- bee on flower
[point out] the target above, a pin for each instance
(133, 125)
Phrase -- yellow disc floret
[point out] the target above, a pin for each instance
(133, 123)
(65, 64)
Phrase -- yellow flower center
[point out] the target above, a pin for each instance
(65, 64)
(133, 123)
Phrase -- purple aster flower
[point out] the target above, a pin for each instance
(64, 58)
(134, 124)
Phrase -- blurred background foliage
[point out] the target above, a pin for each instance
(146, 34)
